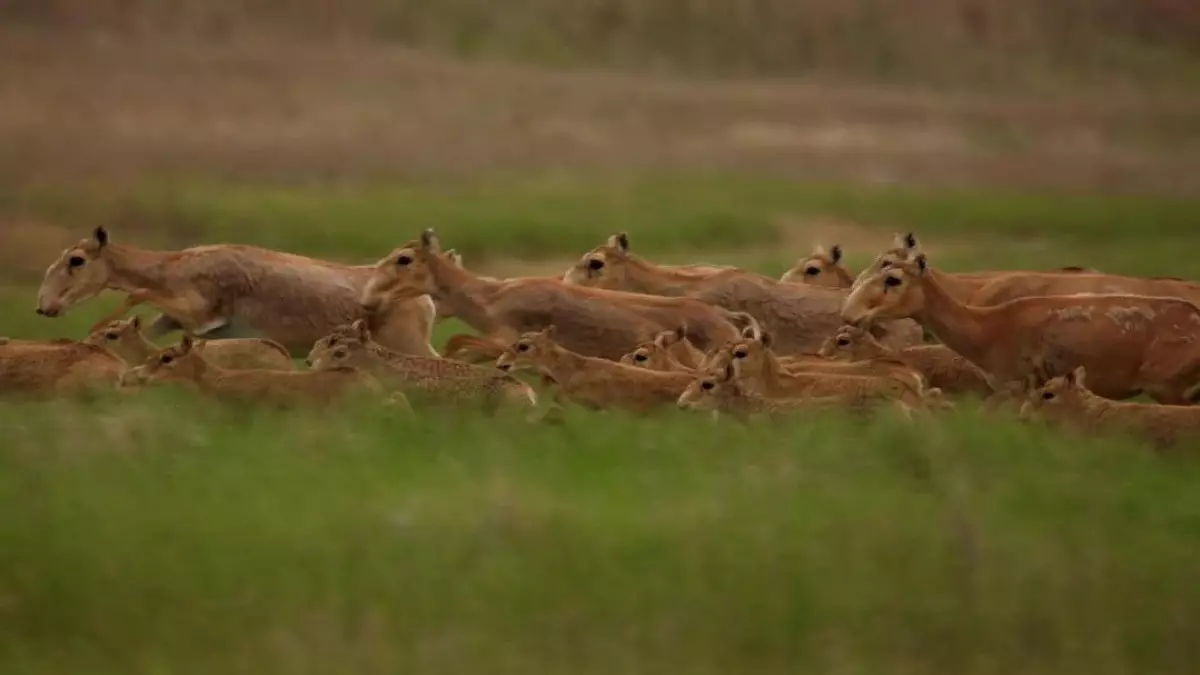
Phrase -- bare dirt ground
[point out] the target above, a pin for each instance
(119, 110)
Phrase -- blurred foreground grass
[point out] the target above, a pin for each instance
(160, 535)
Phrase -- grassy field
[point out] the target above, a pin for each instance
(169, 536)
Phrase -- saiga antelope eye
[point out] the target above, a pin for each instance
(595, 264)
(891, 281)
(403, 260)
(75, 261)
(812, 271)
(707, 385)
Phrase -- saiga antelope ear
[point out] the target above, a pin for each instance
(729, 373)
(619, 241)
(818, 251)
(752, 329)
(835, 253)
(907, 242)
(361, 330)
(101, 236)
(429, 241)
(1076, 377)
(136, 322)
(765, 339)
(186, 343)
(922, 264)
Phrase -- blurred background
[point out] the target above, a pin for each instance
(1005, 131)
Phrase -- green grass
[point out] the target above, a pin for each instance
(564, 215)
(165, 536)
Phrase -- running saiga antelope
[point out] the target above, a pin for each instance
(474, 349)
(718, 391)
(1131, 344)
(589, 381)
(57, 367)
(941, 366)
(224, 289)
(906, 247)
(592, 322)
(800, 316)
(755, 347)
(670, 350)
(125, 338)
(444, 379)
(759, 371)
(181, 364)
(1067, 400)
(820, 268)
(984, 289)
(653, 355)
(467, 347)
(1024, 285)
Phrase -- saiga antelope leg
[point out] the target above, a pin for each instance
(187, 306)
(131, 300)
(161, 325)
(221, 329)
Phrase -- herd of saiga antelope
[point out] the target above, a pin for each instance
(620, 331)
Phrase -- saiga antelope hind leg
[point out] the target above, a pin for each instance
(1179, 386)
(161, 325)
